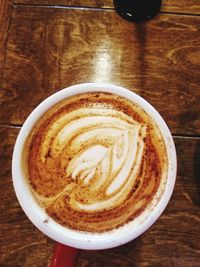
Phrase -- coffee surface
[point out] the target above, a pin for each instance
(95, 161)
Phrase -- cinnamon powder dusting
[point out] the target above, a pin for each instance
(95, 161)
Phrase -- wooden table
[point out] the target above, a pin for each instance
(47, 45)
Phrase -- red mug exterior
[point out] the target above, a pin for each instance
(64, 256)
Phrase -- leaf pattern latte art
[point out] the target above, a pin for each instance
(93, 164)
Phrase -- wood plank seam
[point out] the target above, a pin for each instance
(93, 8)
(63, 6)
(179, 13)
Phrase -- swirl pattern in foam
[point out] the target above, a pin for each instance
(95, 161)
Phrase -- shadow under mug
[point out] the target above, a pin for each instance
(69, 241)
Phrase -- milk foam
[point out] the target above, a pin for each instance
(91, 164)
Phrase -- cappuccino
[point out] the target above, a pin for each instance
(95, 161)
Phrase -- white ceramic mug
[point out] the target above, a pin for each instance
(63, 235)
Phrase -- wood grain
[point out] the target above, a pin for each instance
(45, 49)
(81, 3)
(181, 6)
(21, 243)
(5, 13)
(172, 241)
(49, 49)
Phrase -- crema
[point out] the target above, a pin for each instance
(95, 161)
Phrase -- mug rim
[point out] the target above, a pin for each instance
(74, 238)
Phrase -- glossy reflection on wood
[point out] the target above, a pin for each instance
(49, 49)
(172, 241)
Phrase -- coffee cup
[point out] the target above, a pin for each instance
(83, 238)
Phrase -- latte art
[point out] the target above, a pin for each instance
(95, 161)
